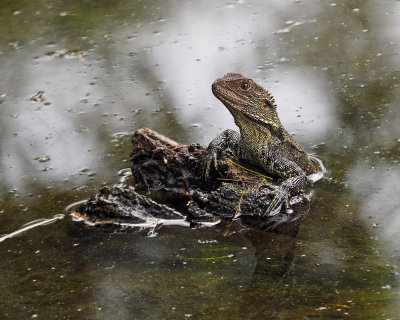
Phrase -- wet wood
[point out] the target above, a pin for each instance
(167, 172)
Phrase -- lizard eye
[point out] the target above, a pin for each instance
(245, 86)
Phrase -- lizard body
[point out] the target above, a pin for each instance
(262, 142)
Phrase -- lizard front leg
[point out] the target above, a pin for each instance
(227, 140)
(296, 181)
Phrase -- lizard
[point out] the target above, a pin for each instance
(262, 142)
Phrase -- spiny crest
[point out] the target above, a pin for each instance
(270, 99)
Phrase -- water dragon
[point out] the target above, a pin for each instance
(262, 142)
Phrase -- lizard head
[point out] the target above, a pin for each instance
(243, 97)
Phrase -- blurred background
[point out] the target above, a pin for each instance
(77, 78)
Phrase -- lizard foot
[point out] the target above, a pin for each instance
(207, 164)
(280, 197)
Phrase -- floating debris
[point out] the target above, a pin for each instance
(71, 54)
(38, 96)
(43, 158)
(295, 24)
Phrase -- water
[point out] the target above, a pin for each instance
(108, 68)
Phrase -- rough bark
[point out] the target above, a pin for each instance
(168, 172)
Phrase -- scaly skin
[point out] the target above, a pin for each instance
(262, 142)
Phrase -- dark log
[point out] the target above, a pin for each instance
(168, 172)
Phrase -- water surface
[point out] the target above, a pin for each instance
(107, 68)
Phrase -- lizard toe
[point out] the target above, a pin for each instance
(208, 163)
(280, 196)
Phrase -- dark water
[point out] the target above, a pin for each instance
(110, 67)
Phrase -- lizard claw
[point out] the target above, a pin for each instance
(208, 162)
(280, 196)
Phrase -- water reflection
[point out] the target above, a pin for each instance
(208, 274)
(155, 74)
(380, 208)
(304, 104)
